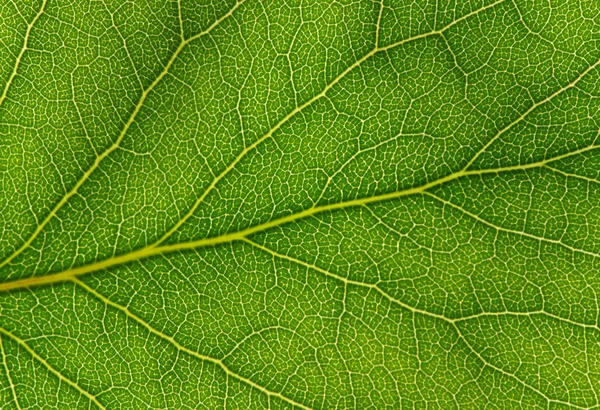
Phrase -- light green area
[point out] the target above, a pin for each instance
(300, 204)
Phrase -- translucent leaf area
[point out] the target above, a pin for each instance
(349, 204)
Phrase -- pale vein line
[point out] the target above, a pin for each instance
(179, 16)
(347, 281)
(32, 352)
(571, 175)
(508, 374)
(10, 381)
(378, 24)
(588, 367)
(359, 152)
(536, 164)
(152, 250)
(119, 139)
(378, 289)
(23, 49)
(528, 111)
(527, 314)
(538, 34)
(182, 348)
(300, 108)
(512, 231)
(375, 287)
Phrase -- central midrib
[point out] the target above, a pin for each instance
(156, 249)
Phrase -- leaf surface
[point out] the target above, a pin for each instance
(316, 205)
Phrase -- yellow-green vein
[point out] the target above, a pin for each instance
(13, 74)
(153, 250)
(8, 376)
(172, 341)
(452, 322)
(117, 142)
(58, 374)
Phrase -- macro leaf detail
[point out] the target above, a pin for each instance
(291, 204)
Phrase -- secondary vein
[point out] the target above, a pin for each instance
(452, 322)
(171, 340)
(40, 359)
(13, 74)
(117, 142)
(306, 104)
(152, 250)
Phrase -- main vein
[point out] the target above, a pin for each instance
(152, 250)
(377, 49)
(156, 248)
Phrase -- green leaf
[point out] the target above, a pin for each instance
(300, 204)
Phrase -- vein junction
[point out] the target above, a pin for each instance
(241, 155)
(157, 249)
(245, 235)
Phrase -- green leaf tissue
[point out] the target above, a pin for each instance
(299, 204)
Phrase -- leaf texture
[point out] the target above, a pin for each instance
(300, 204)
